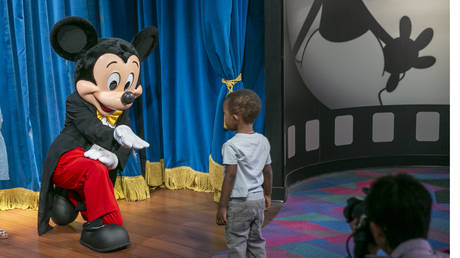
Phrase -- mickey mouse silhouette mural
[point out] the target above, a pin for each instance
(82, 162)
(353, 53)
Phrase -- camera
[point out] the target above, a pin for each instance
(355, 210)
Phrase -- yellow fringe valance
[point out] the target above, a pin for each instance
(18, 198)
(216, 173)
(155, 173)
(131, 188)
(136, 188)
(176, 178)
(187, 178)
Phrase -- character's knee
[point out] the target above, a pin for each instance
(96, 165)
(96, 169)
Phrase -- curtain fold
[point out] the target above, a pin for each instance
(149, 106)
(251, 49)
(254, 57)
(224, 24)
(188, 97)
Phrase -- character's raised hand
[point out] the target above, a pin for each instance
(128, 139)
(401, 54)
(107, 158)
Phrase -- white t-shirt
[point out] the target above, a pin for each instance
(250, 152)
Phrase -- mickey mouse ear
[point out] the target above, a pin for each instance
(145, 41)
(72, 36)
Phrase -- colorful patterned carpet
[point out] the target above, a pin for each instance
(311, 224)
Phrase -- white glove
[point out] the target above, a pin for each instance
(128, 139)
(107, 158)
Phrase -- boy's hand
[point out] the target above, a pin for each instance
(268, 202)
(221, 217)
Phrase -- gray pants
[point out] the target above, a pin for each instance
(243, 231)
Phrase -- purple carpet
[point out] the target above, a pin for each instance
(311, 224)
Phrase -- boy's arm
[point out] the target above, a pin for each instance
(267, 185)
(227, 186)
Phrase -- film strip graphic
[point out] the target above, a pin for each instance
(367, 132)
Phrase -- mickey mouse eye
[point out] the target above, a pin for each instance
(112, 82)
(129, 81)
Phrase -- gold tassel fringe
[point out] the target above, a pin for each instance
(131, 188)
(18, 198)
(186, 177)
(135, 188)
(155, 173)
(216, 173)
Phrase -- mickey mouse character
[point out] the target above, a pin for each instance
(83, 161)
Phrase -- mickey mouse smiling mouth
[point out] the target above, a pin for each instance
(106, 109)
(116, 85)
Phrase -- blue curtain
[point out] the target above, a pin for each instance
(188, 95)
(254, 57)
(180, 112)
(233, 38)
(37, 81)
(150, 107)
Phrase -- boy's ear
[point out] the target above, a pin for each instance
(145, 41)
(72, 36)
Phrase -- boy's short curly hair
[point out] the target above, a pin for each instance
(245, 103)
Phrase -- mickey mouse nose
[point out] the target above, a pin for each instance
(127, 98)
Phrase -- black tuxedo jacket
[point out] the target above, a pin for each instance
(82, 129)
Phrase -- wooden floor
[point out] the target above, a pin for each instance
(178, 223)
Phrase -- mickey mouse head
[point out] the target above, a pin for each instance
(107, 70)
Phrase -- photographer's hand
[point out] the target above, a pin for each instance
(352, 224)
(373, 249)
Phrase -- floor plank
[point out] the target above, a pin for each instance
(178, 223)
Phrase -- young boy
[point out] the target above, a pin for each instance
(248, 177)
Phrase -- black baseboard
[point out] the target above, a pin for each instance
(361, 163)
(279, 193)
